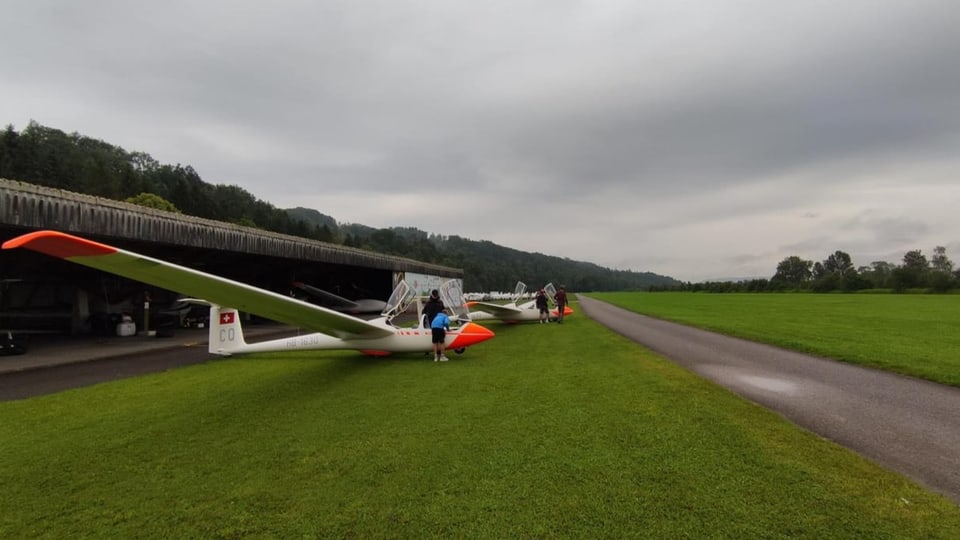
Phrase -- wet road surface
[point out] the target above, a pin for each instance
(904, 424)
(57, 378)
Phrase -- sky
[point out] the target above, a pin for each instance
(701, 140)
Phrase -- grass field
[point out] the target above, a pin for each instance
(545, 431)
(914, 334)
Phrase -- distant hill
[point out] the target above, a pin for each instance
(499, 268)
(489, 266)
(312, 217)
(74, 162)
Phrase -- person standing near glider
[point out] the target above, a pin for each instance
(542, 306)
(438, 329)
(432, 306)
(561, 298)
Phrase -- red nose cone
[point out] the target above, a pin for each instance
(470, 334)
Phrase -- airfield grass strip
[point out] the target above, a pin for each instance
(545, 431)
(912, 334)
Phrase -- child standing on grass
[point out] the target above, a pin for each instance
(438, 329)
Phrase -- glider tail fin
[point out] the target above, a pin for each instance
(226, 336)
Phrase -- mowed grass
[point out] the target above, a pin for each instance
(546, 431)
(913, 334)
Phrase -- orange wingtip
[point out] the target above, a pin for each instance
(59, 244)
(470, 334)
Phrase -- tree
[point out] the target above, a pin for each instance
(142, 162)
(912, 273)
(915, 260)
(879, 274)
(839, 263)
(819, 271)
(940, 262)
(793, 271)
(323, 234)
(837, 272)
(151, 200)
(941, 275)
(8, 152)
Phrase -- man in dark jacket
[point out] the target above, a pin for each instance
(542, 306)
(561, 298)
(433, 306)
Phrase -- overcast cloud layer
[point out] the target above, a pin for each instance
(695, 139)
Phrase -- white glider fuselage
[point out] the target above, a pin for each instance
(226, 338)
(514, 311)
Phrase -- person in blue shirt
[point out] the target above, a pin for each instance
(438, 329)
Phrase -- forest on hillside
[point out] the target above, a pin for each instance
(50, 157)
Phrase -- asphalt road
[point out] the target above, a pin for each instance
(48, 380)
(904, 424)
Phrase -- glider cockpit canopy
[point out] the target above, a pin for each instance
(519, 291)
(451, 293)
(403, 295)
(551, 293)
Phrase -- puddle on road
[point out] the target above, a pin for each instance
(749, 381)
(770, 384)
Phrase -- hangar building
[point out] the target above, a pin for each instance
(41, 293)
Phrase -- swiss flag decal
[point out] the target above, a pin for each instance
(227, 318)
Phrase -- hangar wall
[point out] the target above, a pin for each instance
(32, 207)
(58, 295)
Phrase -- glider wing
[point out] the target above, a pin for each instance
(191, 282)
(328, 297)
(496, 310)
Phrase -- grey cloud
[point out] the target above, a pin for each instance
(656, 120)
(890, 230)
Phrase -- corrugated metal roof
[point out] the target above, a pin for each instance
(38, 207)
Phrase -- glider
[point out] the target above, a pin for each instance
(334, 330)
(338, 303)
(513, 312)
